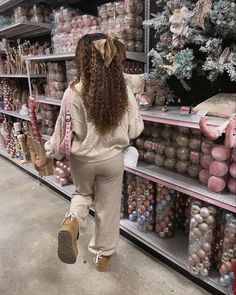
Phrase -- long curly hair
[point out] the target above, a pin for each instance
(104, 93)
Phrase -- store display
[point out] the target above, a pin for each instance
(49, 115)
(166, 202)
(62, 172)
(69, 27)
(219, 105)
(34, 120)
(180, 26)
(131, 191)
(201, 238)
(228, 253)
(15, 94)
(149, 206)
(13, 62)
(38, 13)
(56, 80)
(71, 71)
(145, 204)
(175, 149)
(123, 19)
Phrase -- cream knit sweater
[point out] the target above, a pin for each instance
(87, 144)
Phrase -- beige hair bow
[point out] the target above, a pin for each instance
(106, 48)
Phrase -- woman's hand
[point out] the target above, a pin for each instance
(41, 163)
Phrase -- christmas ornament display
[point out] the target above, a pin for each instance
(201, 238)
(33, 119)
(131, 192)
(166, 202)
(62, 172)
(38, 13)
(175, 148)
(56, 80)
(69, 27)
(49, 115)
(71, 71)
(13, 62)
(123, 20)
(228, 256)
(145, 202)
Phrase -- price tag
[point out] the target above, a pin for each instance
(199, 115)
(131, 157)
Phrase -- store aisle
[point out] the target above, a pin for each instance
(29, 220)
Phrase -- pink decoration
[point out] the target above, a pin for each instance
(204, 175)
(216, 184)
(220, 153)
(232, 185)
(218, 169)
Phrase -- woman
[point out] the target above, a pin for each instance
(104, 118)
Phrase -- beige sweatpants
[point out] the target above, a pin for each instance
(99, 183)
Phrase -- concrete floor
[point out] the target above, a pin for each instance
(29, 220)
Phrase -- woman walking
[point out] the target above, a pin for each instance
(104, 118)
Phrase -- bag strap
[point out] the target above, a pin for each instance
(68, 121)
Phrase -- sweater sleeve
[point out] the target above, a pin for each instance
(52, 145)
(136, 125)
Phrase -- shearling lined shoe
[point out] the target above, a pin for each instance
(67, 240)
(101, 261)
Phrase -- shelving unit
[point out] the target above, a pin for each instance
(175, 249)
(25, 30)
(22, 76)
(28, 167)
(48, 100)
(184, 184)
(9, 4)
(138, 56)
(174, 116)
(14, 114)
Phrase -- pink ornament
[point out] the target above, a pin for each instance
(233, 155)
(204, 175)
(232, 170)
(206, 146)
(216, 184)
(205, 161)
(63, 181)
(232, 185)
(218, 169)
(220, 153)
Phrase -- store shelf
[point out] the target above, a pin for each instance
(138, 56)
(184, 184)
(15, 114)
(174, 249)
(173, 116)
(9, 4)
(51, 57)
(25, 30)
(181, 183)
(22, 76)
(27, 166)
(48, 100)
(67, 189)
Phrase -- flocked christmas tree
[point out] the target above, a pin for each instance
(194, 37)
